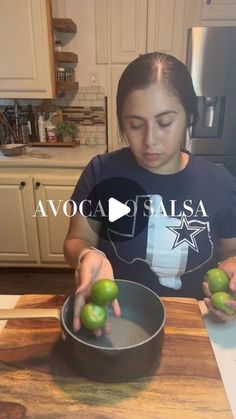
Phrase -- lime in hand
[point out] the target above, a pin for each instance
(218, 300)
(93, 316)
(217, 280)
(104, 291)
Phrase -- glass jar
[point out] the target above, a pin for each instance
(51, 136)
(60, 74)
(58, 46)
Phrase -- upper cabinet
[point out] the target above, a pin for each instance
(127, 28)
(26, 46)
(166, 26)
(218, 10)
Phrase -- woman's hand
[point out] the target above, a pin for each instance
(93, 266)
(229, 266)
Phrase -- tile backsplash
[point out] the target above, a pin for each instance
(86, 107)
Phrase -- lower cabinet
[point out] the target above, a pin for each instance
(34, 218)
(18, 237)
(53, 214)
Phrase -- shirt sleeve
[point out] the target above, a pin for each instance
(227, 219)
(86, 184)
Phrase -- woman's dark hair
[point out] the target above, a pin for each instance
(157, 67)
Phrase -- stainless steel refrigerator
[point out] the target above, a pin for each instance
(211, 59)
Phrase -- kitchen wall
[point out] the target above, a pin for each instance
(82, 12)
(90, 95)
(88, 102)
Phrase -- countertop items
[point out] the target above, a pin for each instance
(58, 157)
(223, 340)
(37, 374)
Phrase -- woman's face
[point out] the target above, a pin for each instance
(154, 123)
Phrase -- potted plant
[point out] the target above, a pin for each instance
(66, 130)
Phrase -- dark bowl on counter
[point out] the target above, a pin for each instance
(12, 149)
(132, 349)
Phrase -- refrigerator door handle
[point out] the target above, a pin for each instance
(209, 110)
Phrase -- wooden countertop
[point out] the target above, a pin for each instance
(36, 381)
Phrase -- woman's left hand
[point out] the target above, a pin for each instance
(229, 266)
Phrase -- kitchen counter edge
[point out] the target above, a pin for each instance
(56, 157)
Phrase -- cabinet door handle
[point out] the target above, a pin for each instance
(22, 185)
(37, 185)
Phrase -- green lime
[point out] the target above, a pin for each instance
(104, 291)
(218, 300)
(93, 316)
(217, 280)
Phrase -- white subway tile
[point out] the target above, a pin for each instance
(92, 89)
(100, 96)
(97, 102)
(74, 102)
(9, 102)
(82, 89)
(90, 96)
(101, 128)
(82, 129)
(85, 103)
(91, 128)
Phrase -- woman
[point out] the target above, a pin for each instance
(191, 221)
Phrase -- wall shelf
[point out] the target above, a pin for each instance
(64, 25)
(66, 86)
(66, 57)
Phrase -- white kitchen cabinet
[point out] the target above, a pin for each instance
(26, 48)
(18, 237)
(218, 10)
(53, 192)
(27, 237)
(166, 26)
(121, 30)
(26, 240)
(128, 29)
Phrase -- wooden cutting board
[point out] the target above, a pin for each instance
(37, 381)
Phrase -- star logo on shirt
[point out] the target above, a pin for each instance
(186, 233)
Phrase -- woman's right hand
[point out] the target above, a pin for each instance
(92, 267)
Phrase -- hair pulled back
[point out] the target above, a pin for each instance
(157, 67)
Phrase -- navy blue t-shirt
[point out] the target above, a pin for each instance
(191, 210)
